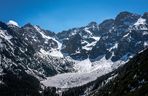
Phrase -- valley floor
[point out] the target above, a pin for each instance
(87, 71)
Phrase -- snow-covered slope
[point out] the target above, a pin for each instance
(56, 52)
(87, 71)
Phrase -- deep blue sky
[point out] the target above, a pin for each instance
(58, 15)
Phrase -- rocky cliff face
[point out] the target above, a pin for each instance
(32, 49)
(114, 38)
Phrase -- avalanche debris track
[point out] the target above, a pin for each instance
(87, 71)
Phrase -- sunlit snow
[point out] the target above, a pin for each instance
(89, 46)
(4, 34)
(11, 22)
(141, 24)
(140, 21)
(53, 52)
(87, 30)
(87, 71)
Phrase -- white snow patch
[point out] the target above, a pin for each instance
(56, 53)
(126, 35)
(87, 47)
(83, 42)
(114, 47)
(110, 78)
(42, 33)
(90, 45)
(52, 52)
(1, 82)
(96, 38)
(73, 32)
(3, 34)
(146, 44)
(140, 21)
(77, 51)
(87, 30)
(141, 24)
(145, 33)
(11, 22)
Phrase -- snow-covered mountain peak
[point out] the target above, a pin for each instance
(11, 22)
